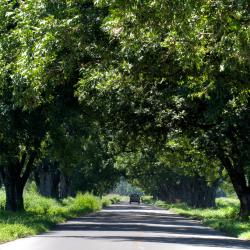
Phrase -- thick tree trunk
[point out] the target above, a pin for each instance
(14, 195)
(203, 194)
(47, 179)
(1, 179)
(238, 179)
(245, 205)
(63, 186)
(14, 178)
(55, 187)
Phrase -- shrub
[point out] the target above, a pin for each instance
(86, 203)
(115, 199)
(106, 201)
(147, 199)
(2, 198)
(39, 204)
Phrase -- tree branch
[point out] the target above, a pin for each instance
(28, 168)
(23, 159)
(2, 173)
(20, 164)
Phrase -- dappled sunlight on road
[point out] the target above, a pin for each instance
(126, 208)
(130, 227)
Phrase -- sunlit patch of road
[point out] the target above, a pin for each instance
(129, 227)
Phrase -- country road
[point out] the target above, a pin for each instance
(129, 227)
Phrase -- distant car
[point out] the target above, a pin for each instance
(134, 198)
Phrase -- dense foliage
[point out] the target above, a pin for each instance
(182, 68)
(43, 45)
(147, 88)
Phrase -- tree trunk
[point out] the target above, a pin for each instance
(63, 186)
(238, 179)
(15, 176)
(193, 190)
(1, 179)
(203, 194)
(244, 205)
(47, 178)
(14, 195)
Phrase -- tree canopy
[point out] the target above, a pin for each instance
(182, 67)
(139, 87)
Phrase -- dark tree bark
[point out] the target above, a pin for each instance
(203, 194)
(55, 185)
(47, 179)
(14, 195)
(15, 176)
(244, 204)
(1, 179)
(65, 188)
(238, 179)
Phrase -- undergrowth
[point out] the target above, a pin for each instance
(43, 213)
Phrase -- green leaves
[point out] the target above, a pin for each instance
(146, 71)
(43, 46)
(178, 68)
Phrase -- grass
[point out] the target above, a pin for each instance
(43, 213)
(223, 218)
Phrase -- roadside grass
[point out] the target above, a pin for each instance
(42, 213)
(224, 217)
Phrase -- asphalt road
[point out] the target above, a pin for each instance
(129, 227)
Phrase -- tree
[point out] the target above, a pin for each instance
(47, 178)
(181, 67)
(176, 172)
(42, 45)
(21, 130)
(81, 149)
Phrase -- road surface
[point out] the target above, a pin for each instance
(129, 227)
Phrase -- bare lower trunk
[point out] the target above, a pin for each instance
(47, 179)
(1, 179)
(15, 177)
(14, 195)
(237, 176)
(244, 205)
(63, 186)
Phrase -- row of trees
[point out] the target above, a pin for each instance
(181, 70)
(175, 173)
(159, 90)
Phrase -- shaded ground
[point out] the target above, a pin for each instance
(124, 227)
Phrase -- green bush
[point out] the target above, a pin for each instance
(39, 204)
(86, 203)
(106, 201)
(2, 198)
(147, 199)
(115, 199)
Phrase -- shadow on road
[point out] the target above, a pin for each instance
(144, 224)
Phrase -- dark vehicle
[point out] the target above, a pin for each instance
(134, 198)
